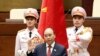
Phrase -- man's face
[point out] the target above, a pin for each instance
(49, 36)
(30, 21)
(78, 20)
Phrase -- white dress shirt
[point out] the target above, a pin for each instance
(52, 46)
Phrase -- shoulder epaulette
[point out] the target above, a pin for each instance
(21, 30)
(87, 29)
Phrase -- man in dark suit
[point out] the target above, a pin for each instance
(50, 47)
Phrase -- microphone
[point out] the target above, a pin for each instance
(68, 11)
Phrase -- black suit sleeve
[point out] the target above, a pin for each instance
(61, 50)
(29, 54)
(64, 53)
(32, 53)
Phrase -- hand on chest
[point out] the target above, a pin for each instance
(74, 36)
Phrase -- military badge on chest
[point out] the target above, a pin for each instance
(36, 40)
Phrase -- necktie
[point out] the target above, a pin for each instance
(30, 33)
(49, 51)
(77, 38)
(76, 29)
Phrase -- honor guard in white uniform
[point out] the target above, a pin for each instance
(26, 35)
(79, 36)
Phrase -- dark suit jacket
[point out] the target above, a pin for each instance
(40, 50)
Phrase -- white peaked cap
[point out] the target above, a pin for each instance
(78, 11)
(31, 12)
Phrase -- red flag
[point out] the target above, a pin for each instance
(52, 15)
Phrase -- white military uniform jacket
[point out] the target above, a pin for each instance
(79, 41)
(22, 38)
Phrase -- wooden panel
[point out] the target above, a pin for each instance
(11, 29)
(94, 47)
(7, 45)
(89, 7)
(3, 16)
(7, 29)
(69, 4)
